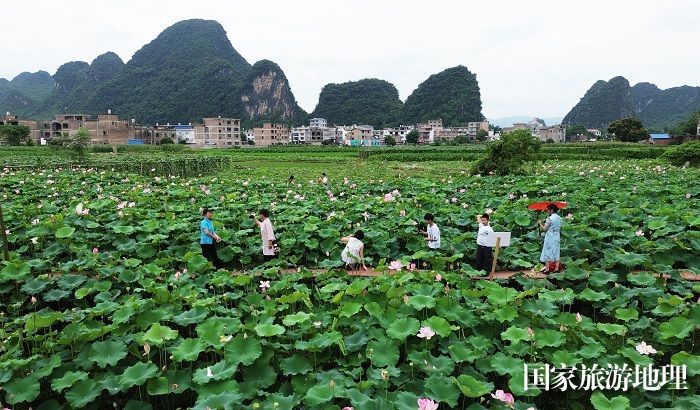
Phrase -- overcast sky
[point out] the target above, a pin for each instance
(531, 57)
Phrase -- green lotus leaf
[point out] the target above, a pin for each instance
(592, 295)
(67, 380)
(471, 387)
(349, 309)
(220, 371)
(268, 330)
(319, 394)
(196, 315)
(503, 364)
(296, 364)
(626, 314)
(691, 361)
(382, 353)
(420, 302)
(611, 328)
(107, 353)
(187, 350)
(677, 327)
(296, 318)
(515, 334)
(548, 337)
(82, 393)
(438, 325)
(21, 390)
(158, 333)
(65, 232)
(137, 374)
(401, 328)
(600, 402)
(225, 401)
(243, 350)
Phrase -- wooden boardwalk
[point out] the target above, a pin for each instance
(498, 275)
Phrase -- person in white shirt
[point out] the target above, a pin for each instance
(483, 251)
(267, 234)
(432, 232)
(354, 252)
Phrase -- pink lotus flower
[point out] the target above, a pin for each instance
(639, 232)
(438, 277)
(645, 349)
(454, 200)
(348, 408)
(511, 196)
(402, 212)
(264, 285)
(530, 332)
(33, 300)
(405, 299)
(569, 216)
(35, 222)
(388, 197)
(95, 251)
(396, 265)
(412, 266)
(427, 404)
(506, 398)
(178, 275)
(426, 333)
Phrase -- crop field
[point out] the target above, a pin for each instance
(107, 302)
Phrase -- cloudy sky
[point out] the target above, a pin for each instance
(531, 57)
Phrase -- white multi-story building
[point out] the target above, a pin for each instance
(318, 123)
(399, 133)
(300, 135)
(185, 133)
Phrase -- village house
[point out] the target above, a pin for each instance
(34, 131)
(104, 129)
(218, 132)
(271, 134)
(554, 133)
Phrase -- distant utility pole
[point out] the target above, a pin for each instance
(5, 248)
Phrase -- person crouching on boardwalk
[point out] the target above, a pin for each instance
(354, 253)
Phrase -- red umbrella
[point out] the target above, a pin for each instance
(541, 206)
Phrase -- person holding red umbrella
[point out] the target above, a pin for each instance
(550, 255)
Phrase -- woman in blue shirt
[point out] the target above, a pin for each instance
(208, 238)
(551, 250)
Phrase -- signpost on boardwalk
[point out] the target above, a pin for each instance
(497, 240)
(5, 247)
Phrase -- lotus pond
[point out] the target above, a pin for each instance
(114, 306)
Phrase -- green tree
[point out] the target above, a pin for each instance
(78, 143)
(481, 135)
(412, 137)
(689, 126)
(461, 139)
(577, 129)
(628, 130)
(166, 140)
(389, 141)
(14, 134)
(508, 155)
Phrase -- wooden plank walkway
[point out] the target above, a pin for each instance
(498, 275)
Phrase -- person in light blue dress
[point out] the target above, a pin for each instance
(551, 250)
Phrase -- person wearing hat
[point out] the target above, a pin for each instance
(208, 238)
(550, 255)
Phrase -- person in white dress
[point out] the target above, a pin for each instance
(354, 253)
(267, 234)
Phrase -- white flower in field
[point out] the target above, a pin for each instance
(209, 373)
(225, 338)
(579, 318)
(35, 240)
(132, 204)
(511, 196)
(645, 349)
(33, 300)
(582, 173)
(35, 222)
(7, 231)
(317, 324)
(264, 285)
(639, 232)
(147, 190)
(426, 333)
(569, 216)
(489, 211)
(146, 349)
(365, 215)
(687, 195)
(79, 209)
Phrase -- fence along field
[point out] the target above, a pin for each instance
(145, 321)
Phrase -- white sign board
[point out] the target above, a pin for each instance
(505, 239)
